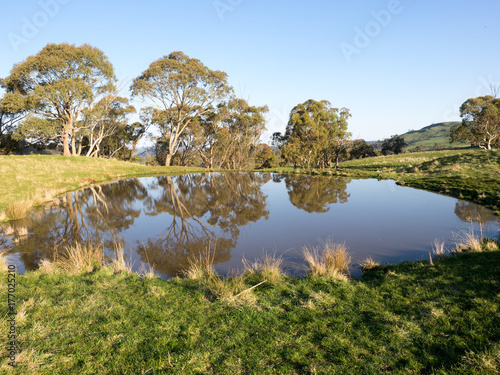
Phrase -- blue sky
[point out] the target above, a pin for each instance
(396, 64)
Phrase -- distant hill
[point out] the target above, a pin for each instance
(428, 137)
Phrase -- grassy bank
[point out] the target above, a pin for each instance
(412, 318)
(439, 317)
(473, 175)
(28, 181)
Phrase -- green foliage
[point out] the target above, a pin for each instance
(393, 145)
(106, 131)
(265, 157)
(55, 85)
(316, 134)
(480, 123)
(11, 113)
(182, 89)
(38, 130)
(360, 149)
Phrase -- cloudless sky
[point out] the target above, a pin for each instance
(397, 65)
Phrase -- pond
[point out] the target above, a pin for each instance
(162, 221)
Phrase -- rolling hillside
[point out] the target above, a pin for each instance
(428, 137)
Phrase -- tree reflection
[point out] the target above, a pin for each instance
(196, 210)
(316, 194)
(468, 212)
(203, 209)
(97, 213)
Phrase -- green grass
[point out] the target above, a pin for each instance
(28, 181)
(431, 135)
(472, 175)
(412, 318)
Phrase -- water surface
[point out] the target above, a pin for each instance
(163, 221)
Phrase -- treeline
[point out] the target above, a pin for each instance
(66, 99)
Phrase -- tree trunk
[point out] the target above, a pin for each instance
(168, 160)
(66, 151)
(337, 161)
(73, 143)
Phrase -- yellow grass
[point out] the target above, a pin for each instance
(18, 210)
(119, 264)
(81, 258)
(201, 266)
(333, 261)
(369, 264)
(467, 240)
(269, 267)
(491, 245)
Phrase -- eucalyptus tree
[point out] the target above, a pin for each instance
(316, 134)
(107, 118)
(57, 84)
(180, 89)
(12, 110)
(480, 122)
(242, 126)
(228, 136)
(11, 113)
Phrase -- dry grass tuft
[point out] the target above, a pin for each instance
(18, 210)
(269, 267)
(201, 267)
(438, 250)
(369, 264)
(491, 245)
(467, 241)
(228, 289)
(333, 261)
(119, 264)
(147, 271)
(48, 267)
(80, 258)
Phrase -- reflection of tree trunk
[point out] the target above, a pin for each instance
(180, 209)
(97, 195)
(73, 218)
(78, 208)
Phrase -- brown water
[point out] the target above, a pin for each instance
(162, 221)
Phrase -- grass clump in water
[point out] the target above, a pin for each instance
(82, 258)
(201, 266)
(18, 210)
(438, 249)
(333, 261)
(369, 264)
(467, 240)
(269, 267)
